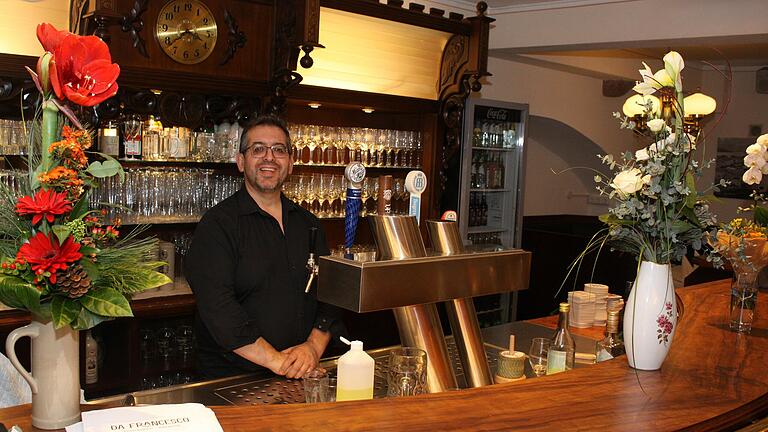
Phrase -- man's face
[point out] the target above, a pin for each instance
(265, 174)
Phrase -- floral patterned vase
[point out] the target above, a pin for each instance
(650, 317)
(55, 377)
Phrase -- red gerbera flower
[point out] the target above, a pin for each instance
(45, 254)
(46, 204)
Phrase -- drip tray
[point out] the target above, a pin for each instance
(280, 390)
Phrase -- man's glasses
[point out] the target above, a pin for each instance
(279, 151)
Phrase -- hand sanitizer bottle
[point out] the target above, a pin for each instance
(355, 374)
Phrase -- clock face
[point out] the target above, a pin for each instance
(186, 31)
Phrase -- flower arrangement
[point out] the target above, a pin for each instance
(743, 242)
(59, 259)
(658, 213)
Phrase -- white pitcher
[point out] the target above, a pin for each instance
(55, 376)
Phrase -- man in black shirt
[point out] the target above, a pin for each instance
(246, 267)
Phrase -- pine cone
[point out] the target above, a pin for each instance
(74, 281)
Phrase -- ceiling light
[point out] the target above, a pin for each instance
(699, 104)
(368, 110)
(314, 105)
(635, 105)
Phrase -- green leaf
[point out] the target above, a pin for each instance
(610, 219)
(63, 311)
(691, 216)
(90, 268)
(106, 302)
(62, 232)
(18, 293)
(108, 168)
(156, 279)
(34, 183)
(80, 208)
(87, 319)
(692, 197)
(761, 216)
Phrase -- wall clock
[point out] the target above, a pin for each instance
(186, 31)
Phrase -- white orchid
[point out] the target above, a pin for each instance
(762, 140)
(756, 149)
(752, 176)
(754, 160)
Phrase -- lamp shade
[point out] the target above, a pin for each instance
(635, 105)
(699, 104)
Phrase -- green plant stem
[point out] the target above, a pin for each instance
(50, 128)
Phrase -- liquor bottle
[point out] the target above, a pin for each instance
(481, 179)
(611, 346)
(500, 171)
(91, 359)
(109, 139)
(475, 167)
(490, 171)
(472, 209)
(562, 352)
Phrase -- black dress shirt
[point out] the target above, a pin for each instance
(248, 278)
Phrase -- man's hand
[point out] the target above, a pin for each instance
(262, 353)
(304, 357)
(299, 360)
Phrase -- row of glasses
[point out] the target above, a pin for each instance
(163, 194)
(14, 182)
(325, 194)
(339, 145)
(13, 136)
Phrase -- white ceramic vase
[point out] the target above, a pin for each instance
(55, 375)
(650, 317)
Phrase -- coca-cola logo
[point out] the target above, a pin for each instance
(496, 114)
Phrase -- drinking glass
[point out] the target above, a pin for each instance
(537, 355)
(407, 374)
(311, 138)
(315, 386)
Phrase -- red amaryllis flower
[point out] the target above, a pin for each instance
(45, 203)
(81, 69)
(45, 254)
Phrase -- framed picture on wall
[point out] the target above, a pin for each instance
(729, 165)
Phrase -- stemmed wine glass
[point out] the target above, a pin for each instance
(537, 355)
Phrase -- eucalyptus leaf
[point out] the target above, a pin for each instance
(18, 293)
(692, 197)
(62, 232)
(107, 302)
(63, 311)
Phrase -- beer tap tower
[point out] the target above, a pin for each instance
(408, 280)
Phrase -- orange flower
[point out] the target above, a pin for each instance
(70, 152)
(63, 178)
(82, 137)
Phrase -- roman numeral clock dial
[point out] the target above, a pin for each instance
(186, 31)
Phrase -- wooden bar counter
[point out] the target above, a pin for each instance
(713, 379)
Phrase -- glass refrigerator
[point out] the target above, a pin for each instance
(491, 188)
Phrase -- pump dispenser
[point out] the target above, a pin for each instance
(355, 374)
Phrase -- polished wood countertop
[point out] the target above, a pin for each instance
(712, 379)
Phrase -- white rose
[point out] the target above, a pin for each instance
(762, 140)
(641, 155)
(754, 160)
(752, 176)
(656, 125)
(628, 181)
